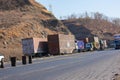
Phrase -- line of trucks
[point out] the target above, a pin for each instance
(58, 44)
(90, 44)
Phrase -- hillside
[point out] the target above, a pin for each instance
(22, 19)
(87, 27)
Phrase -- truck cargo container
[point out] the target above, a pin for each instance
(61, 44)
(96, 45)
(31, 46)
(93, 39)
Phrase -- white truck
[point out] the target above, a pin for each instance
(2, 61)
(1, 57)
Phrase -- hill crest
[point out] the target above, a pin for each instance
(23, 19)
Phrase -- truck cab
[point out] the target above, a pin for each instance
(79, 45)
(117, 44)
(1, 61)
(89, 46)
(1, 57)
(117, 41)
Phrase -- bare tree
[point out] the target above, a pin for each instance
(116, 21)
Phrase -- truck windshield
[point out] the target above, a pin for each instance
(117, 41)
(88, 45)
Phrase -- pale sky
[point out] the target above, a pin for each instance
(110, 8)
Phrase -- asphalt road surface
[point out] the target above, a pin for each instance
(97, 65)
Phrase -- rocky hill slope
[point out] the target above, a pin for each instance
(22, 19)
(84, 27)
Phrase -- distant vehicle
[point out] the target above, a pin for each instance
(117, 41)
(79, 45)
(89, 46)
(34, 46)
(1, 57)
(103, 44)
(1, 61)
(117, 44)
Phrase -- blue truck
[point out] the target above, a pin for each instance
(117, 41)
(80, 46)
(89, 47)
(117, 44)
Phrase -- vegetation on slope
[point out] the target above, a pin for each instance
(95, 24)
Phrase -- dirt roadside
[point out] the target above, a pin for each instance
(116, 77)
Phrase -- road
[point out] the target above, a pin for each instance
(97, 65)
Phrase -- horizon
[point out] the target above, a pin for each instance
(108, 8)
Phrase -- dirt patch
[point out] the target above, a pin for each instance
(116, 76)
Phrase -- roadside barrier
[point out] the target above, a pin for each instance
(30, 59)
(24, 60)
(13, 61)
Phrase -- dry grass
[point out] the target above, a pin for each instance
(11, 52)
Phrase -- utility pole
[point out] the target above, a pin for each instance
(50, 8)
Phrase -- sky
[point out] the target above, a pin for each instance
(60, 8)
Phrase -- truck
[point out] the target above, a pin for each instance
(103, 44)
(61, 44)
(34, 46)
(89, 47)
(117, 41)
(95, 41)
(2, 60)
(91, 43)
(1, 57)
(80, 46)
